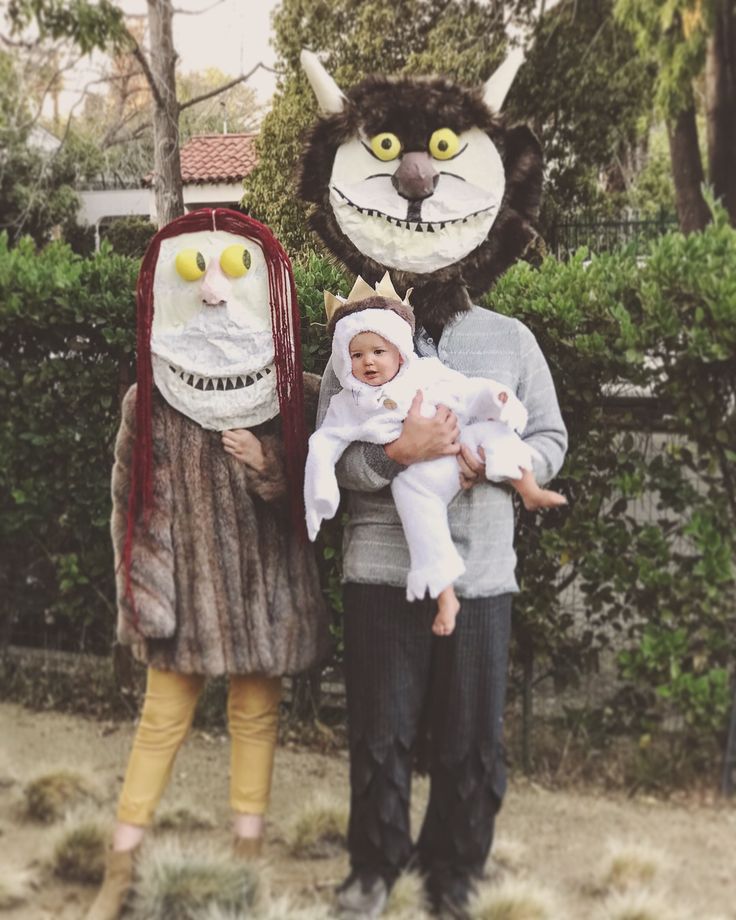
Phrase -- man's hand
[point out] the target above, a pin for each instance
(425, 438)
(244, 446)
(472, 466)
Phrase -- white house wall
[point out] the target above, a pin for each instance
(221, 194)
(98, 205)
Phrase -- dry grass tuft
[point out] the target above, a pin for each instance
(79, 853)
(8, 775)
(509, 855)
(184, 818)
(513, 900)
(407, 898)
(319, 831)
(13, 890)
(640, 905)
(628, 866)
(178, 884)
(50, 796)
(285, 909)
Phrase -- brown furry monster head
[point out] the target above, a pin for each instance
(423, 178)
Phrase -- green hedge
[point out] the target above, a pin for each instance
(664, 584)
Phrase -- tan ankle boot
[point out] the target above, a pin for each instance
(110, 900)
(247, 847)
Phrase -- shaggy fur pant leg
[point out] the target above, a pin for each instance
(465, 724)
(387, 655)
(403, 681)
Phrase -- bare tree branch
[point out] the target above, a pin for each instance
(221, 89)
(138, 54)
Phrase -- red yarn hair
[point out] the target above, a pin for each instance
(285, 324)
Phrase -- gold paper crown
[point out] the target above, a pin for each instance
(362, 290)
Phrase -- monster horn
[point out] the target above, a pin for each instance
(499, 83)
(330, 97)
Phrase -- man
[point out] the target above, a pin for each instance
(424, 179)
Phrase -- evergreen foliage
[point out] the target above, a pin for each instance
(588, 108)
(642, 353)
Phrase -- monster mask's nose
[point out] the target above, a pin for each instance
(216, 285)
(416, 177)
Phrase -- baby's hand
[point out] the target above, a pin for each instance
(245, 447)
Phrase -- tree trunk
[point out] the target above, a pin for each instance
(687, 172)
(720, 83)
(166, 163)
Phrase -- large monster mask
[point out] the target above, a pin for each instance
(421, 176)
(218, 334)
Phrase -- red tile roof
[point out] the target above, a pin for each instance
(218, 158)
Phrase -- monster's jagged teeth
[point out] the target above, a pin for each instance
(240, 383)
(199, 385)
(248, 380)
(430, 228)
(182, 375)
(268, 370)
(419, 228)
(210, 385)
(259, 375)
(172, 368)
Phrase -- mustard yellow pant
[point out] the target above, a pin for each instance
(168, 710)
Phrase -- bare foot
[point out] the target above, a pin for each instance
(448, 607)
(543, 498)
(533, 496)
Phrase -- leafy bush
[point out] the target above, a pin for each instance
(129, 236)
(643, 359)
(67, 332)
(643, 356)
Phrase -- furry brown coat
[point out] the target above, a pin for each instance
(221, 583)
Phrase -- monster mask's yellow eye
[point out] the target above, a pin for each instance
(190, 264)
(386, 146)
(444, 144)
(235, 260)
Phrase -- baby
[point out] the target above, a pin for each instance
(373, 358)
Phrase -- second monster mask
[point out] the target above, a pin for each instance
(421, 177)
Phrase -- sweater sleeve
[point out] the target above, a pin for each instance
(153, 612)
(363, 467)
(545, 430)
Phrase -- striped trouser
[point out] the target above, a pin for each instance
(411, 693)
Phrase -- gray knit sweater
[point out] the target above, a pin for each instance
(478, 343)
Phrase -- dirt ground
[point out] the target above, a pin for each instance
(556, 840)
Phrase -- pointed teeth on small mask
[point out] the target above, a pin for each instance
(210, 385)
(199, 385)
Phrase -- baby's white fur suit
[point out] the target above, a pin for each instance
(422, 492)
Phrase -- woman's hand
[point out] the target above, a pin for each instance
(425, 438)
(245, 447)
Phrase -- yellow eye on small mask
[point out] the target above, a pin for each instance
(444, 144)
(235, 260)
(386, 146)
(190, 264)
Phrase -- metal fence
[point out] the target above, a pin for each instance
(600, 235)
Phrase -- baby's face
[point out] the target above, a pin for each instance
(374, 360)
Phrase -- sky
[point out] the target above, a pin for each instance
(231, 35)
